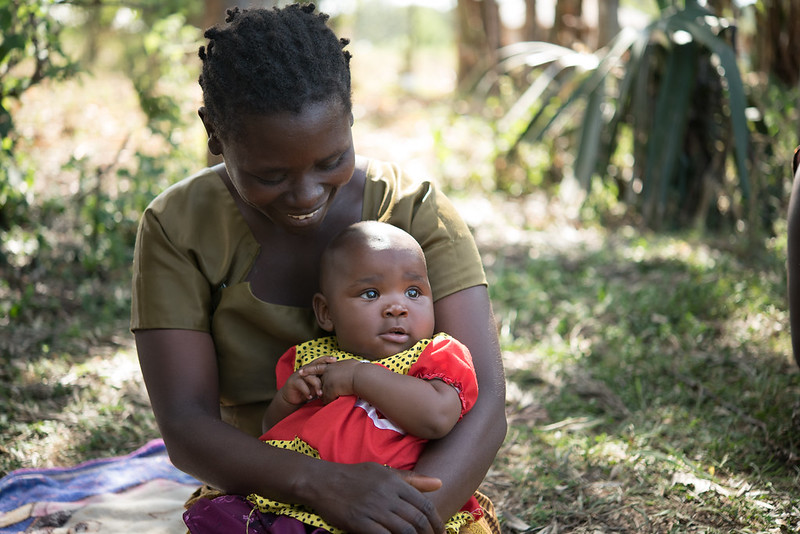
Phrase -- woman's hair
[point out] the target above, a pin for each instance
(265, 61)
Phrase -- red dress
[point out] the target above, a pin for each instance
(349, 430)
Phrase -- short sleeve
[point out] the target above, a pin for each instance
(447, 359)
(422, 210)
(168, 288)
(190, 243)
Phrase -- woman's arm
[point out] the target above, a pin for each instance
(427, 409)
(180, 371)
(793, 265)
(462, 458)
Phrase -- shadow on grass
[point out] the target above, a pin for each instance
(70, 386)
(650, 387)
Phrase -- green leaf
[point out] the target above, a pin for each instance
(10, 43)
(736, 97)
(669, 124)
(586, 159)
(617, 49)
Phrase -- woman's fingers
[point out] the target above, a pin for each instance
(421, 483)
(419, 511)
(380, 501)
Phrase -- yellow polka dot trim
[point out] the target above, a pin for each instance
(307, 516)
(400, 363)
(297, 445)
(459, 520)
(299, 512)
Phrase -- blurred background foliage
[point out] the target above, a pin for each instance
(662, 114)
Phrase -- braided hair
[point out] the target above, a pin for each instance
(266, 61)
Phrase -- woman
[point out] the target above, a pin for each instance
(793, 257)
(226, 265)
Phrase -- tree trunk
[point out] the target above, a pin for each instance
(530, 31)
(777, 43)
(568, 26)
(478, 36)
(607, 21)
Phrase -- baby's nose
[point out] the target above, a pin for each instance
(395, 309)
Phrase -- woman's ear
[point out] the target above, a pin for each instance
(214, 144)
(323, 313)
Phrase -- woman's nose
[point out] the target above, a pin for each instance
(307, 191)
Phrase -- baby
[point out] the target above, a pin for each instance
(383, 385)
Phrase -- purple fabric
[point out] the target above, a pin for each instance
(233, 513)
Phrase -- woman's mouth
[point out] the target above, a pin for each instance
(304, 216)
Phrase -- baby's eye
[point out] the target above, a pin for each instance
(413, 293)
(369, 294)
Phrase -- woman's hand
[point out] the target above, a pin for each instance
(372, 499)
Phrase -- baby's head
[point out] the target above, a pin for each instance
(374, 291)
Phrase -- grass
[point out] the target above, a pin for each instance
(650, 384)
(70, 386)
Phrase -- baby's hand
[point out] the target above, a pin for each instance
(305, 384)
(337, 380)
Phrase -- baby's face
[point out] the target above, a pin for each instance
(381, 302)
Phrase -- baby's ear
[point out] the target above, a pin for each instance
(323, 313)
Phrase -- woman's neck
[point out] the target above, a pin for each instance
(286, 270)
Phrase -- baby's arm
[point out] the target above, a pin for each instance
(302, 386)
(427, 409)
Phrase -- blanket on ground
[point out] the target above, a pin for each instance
(139, 492)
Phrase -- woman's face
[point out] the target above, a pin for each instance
(289, 167)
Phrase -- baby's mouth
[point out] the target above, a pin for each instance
(396, 335)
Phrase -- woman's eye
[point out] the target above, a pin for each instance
(369, 294)
(412, 293)
(329, 166)
(269, 179)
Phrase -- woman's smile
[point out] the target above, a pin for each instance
(306, 216)
(289, 167)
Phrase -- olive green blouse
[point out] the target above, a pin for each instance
(194, 251)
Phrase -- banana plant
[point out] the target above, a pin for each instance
(649, 80)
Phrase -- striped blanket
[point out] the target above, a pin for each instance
(139, 492)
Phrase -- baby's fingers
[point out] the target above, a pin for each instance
(317, 367)
(296, 391)
(314, 384)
